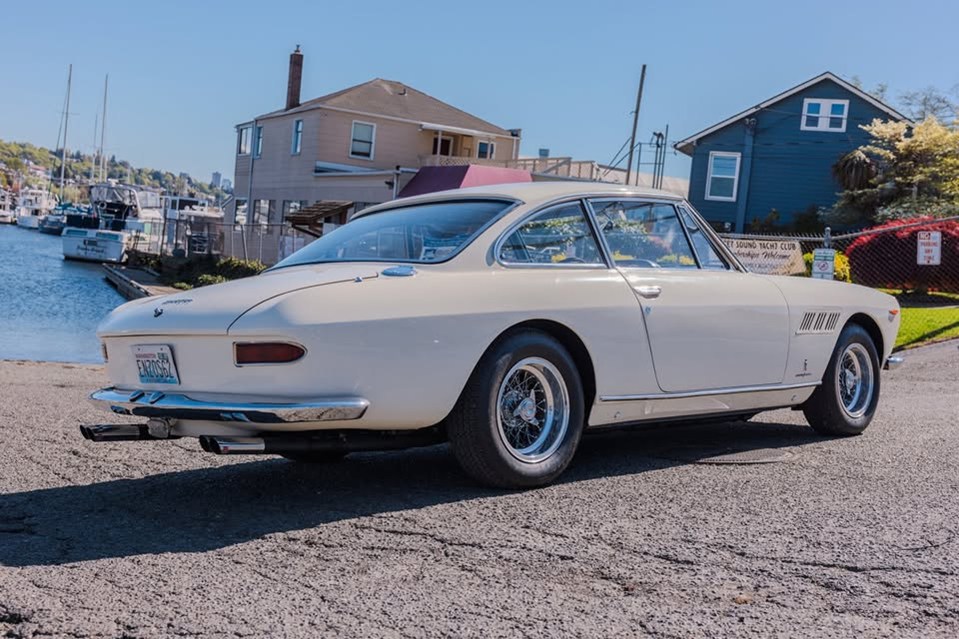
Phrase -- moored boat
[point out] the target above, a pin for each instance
(55, 222)
(117, 223)
(7, 213)
(32, 205)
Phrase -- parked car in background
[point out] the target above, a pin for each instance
(450, 317)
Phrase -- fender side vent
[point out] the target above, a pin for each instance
(818, 323)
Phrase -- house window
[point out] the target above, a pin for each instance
(243, 141)
(292, 206)
(262, 212)
(258, 142)
(297, 137)
(824, 115)
(444, 147)
(239, 212)
(362, 143)
(485, 150)
(722, 178)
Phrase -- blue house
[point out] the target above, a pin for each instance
(779, 154)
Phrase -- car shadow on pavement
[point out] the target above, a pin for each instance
(210, 508)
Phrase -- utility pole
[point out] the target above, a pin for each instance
(632, 137)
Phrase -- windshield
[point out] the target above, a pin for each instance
(421, 233)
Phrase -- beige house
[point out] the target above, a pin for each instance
(358, 145)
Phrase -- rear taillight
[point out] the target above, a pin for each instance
(267, 353)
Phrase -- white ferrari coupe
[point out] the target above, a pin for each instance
(505, 320)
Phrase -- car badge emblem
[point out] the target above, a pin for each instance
(157, 312)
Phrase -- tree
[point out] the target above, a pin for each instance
(905, 170)
(929, 102)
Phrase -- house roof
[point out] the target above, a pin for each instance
(390, 99)
(686, 146)
(431, 179)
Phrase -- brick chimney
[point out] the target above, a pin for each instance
(295, 79)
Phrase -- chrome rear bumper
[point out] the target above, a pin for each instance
(179, 406)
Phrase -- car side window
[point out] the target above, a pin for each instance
(708, 257)
(644, 234)
(560, 236)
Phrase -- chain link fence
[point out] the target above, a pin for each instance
(917, 262)
(267, 243)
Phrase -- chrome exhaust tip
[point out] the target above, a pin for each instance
(114, 432)
(894, 362)
(232, 445)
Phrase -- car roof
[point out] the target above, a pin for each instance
(531, 193)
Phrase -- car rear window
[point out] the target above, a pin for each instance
(420, 233)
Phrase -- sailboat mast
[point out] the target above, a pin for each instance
(103, 130)
(95, 160)
(66, 123)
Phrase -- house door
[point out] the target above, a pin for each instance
(443, 146)
(709, 326)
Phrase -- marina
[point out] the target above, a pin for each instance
(49, 306)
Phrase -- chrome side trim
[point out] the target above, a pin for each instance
(707, 393)
(179, 406)
(893, 362)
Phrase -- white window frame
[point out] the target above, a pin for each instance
(490, 145)
(372, 141)
(438, 141)
(296, 144)
(825, 107)
(709, 175)
(239, 140)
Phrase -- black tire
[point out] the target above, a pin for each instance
(825, 410)
(316, 457)
(481, 445)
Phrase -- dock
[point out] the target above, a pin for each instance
(134, 283)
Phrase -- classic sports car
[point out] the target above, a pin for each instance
(503, 319)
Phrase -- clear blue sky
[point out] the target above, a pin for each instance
(183, 73)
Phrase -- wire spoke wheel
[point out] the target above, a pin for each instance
(855, 380)
(532, 410)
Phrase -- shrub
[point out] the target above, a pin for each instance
(181, 286)
(207, 279)
(842, 272)
(888, 259)
(233, 268)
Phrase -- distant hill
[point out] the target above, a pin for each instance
(29, 164)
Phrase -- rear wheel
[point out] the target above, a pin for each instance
(846, 401)
(521, 415)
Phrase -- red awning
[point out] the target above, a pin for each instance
(430, 179)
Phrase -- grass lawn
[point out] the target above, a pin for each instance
(926, 324)
(926, 317)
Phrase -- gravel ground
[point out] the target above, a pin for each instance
(645, 535)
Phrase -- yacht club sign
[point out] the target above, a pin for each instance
(772, 257)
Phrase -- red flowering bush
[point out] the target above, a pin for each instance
(888, 259)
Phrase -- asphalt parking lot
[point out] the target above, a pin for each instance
(648, 534)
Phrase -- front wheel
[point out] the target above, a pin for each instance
(846, 401)
(521, 415)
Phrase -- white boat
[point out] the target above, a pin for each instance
(119, 223)
(7, 213)
(32, 205)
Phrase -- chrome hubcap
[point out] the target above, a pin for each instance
(855, 380)
(532, 410)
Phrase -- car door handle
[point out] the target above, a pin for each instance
(649, 292)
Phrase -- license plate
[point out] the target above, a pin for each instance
(155, 364)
